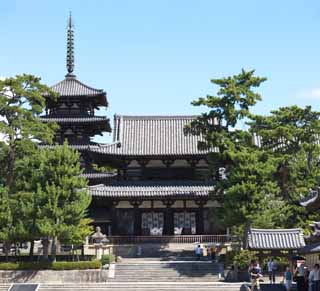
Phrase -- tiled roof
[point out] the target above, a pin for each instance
(275, 239)
(79, 119)
(152, 136)
(80, 147)
(312, 248)
(71, 87)
(98, 175)
(312, 201)
(152, 190)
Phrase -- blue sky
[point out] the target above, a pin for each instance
(155, 57)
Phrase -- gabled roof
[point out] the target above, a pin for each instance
(275, 239)
(312, 201)
(309, 249)
(153, 190)
(71, 87)
(152, 136)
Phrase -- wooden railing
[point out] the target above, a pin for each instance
(177, 239)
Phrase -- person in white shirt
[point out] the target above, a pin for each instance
(272, 271)
(314, 278)
(198, 252)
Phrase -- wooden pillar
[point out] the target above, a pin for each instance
(143, 163)
(168, 228)
(200, 218)
(124, 166)
(168, 163)
(193, 164)
(137, 217)
(114, 218)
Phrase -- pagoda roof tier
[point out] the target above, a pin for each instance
(92, 120)
(152, 136)
(70, 87)
(153, 190)
(79, 147)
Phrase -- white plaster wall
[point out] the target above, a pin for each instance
(145, 204)
(158, 204)
(178, 204)
(124, 204)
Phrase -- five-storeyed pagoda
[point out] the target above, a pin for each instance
(162, 181)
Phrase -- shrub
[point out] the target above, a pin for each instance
(82, 265)
(107, 259)
(229, 259)
(243, 258)
(76, 265)
(9, 266)
(281, 263)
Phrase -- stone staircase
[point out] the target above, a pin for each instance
(217, 286)
(144, 270)
(4, 287)
(151, 286)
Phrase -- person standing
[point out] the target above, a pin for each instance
(301, 276)
(198, 252)
(287, 278)
(213, 253)
(254, 272)
(314, 278)
(272, 271)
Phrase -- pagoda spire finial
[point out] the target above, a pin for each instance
(70, 48)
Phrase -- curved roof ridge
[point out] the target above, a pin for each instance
(275, 229)
(87, 86)
(156, 116)
(71, 86)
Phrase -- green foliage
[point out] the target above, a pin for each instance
(290, 134)
(107, 259)
(21, 103)
(82, 265)
(76, 265)
(6, 219)
(55, 197)
(264, 184)
(231, 104)
(281, 263)
(243, 259)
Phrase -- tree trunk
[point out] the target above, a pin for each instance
(31, 249)
(54, 248)
(45, 246)
(10, 166)
(6, 249)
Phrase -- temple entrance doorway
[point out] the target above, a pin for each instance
(152, 223)
(184, 223)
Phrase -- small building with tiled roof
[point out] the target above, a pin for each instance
(275, 239)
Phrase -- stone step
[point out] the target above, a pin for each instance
(152, 286)
(179, 271)
(157, 286)
(4, 287)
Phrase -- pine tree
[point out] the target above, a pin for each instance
(58, 197)
(21, 103)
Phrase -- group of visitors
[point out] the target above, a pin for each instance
(209, 252)
(307, 280)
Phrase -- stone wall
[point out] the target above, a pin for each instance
(50, 276)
